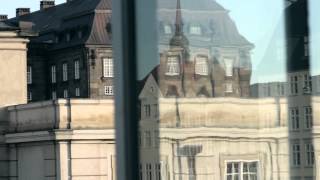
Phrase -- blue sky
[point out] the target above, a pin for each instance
(9, 6)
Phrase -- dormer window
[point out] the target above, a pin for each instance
(173, 67)
(228, 66)
(68, 37)
(201, 65)
(195, 30)
(167, 29)
(80, 34)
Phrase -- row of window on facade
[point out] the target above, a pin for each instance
(69, 35)
(298, 153)
(108, 91)
(151, 171)
(194, 29)
(295, 120)
(107, 70)
(201, 66)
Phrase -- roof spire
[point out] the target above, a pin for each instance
(178, 23)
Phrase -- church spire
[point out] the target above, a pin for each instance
(179, 38)
(178, 23)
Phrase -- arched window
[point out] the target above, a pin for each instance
(173, 67)
(201, 65)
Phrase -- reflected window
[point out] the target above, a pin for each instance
(242, 170)
(294, 118)
(148, 171)
(65, 93)
(296, 161)
(77, 92)
(54, 95)
(195, 29)
(158, 171)
(167, 29)
(201, 65)
(307, 88)
(76, 69)
(228, 87)
(107, 67)
(148, 139)
(309, 154)
(173, 67)
(308, 117)
(294, 85)
(29, 98)
(147, 110)
(228, 66)
(108, 90)
(64, 72)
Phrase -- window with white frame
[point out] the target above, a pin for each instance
(148, 171)
(195, 30)
(147, 110)
(148, 139)
(29, 96)
(167, 29)
(309, 153)
(65, 93)
(29, 75)
(201, 65)
(244, 170)
(77, 69)
(158, 171)
(64, 72)
(53, 74)
(294, 118)
(307, 88)
(308, 117)
(228, 87)
(108, 90)
(54, 95)
(294, 85)
(173, 66)
(77, 92)
(107, 67)
(296, 156)
(228, 66)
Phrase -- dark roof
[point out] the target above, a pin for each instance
(218, 29)
(203, 5)
(7, 27)
(88, 14)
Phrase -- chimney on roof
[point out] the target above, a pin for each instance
(3, 17)
(44, 4)
(22, 11)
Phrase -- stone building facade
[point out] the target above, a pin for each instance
(71, 56)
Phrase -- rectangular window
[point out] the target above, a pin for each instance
(158, 171)
(308, 117)
(148, 171)
(228, 88)
(148, 138)
(64, 72)
(228, 66)
(107, 67)
(242, 170)
(29, 96)
(76, 69)
(294, 118)
(309, 154)
(29, 75)
(147, 110)
(53, 74)
(108, 90)
(201, 66)
(167, 29)
(65, 93)
(296, 161)
(173, 67)
(140, 172)
(77, 92)
(294, 85)
(195, 29)
(54, 95)
(307, 88)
